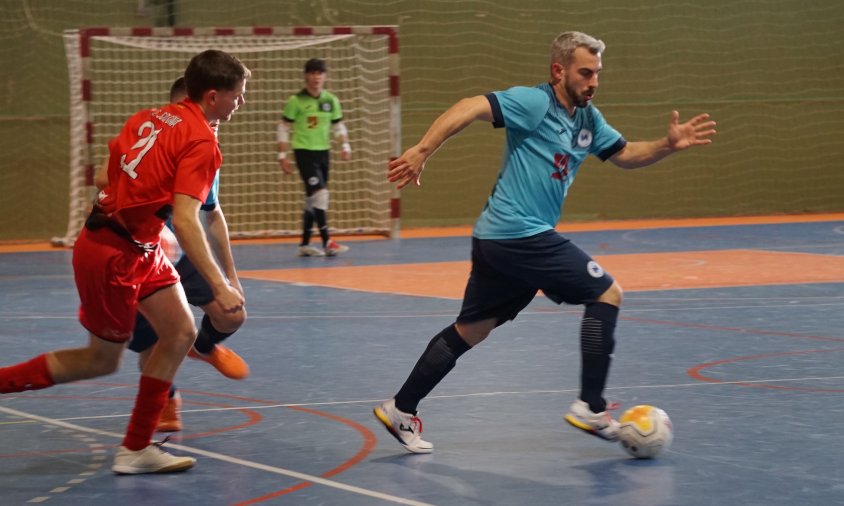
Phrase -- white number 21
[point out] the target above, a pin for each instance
(148, 135)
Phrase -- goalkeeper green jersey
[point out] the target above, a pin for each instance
(312, 118)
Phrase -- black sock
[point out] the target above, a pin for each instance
(597, 341)
(322, 223)
(208, 336)
(434, 364)
(307, 225)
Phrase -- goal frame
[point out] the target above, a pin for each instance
(82, 159)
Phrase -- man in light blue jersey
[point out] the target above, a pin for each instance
(550, 129)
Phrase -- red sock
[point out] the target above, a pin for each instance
(31, 375)
(150, 401)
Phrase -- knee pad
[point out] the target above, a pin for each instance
(320, 199)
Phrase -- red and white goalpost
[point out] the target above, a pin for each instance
(114, 72)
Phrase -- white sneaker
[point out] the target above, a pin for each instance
(598, 424)
(406, 428)
(151, 459)
(309, 251)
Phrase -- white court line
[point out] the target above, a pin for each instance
(456, 396)
(230, 460)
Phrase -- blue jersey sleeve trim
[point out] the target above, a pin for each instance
(497, 116)
(615, 148)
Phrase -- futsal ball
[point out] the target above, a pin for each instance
(645, 431)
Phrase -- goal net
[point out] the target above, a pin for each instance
(116, 72)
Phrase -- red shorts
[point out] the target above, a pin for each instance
(112, 275)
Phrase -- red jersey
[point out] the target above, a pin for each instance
(158, 153)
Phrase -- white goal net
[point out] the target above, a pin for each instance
(115, 72)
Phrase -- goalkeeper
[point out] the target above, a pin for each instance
(306, 125)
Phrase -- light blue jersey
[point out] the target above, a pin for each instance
(544, 150)
(211, 200)
(209, 205)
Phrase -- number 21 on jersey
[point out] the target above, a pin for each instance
(148, 135)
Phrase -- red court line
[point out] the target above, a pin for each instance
(695, 373)
(369, 442)
(369, 439)
(254, 418)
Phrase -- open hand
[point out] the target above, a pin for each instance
(695, 132)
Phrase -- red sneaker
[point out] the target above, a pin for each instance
(171, 420)
(333, 248)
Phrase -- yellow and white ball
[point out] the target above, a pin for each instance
(645, 431)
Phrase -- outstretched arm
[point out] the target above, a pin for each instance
(695, 132)
(408, 167)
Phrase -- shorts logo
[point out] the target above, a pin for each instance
(313, 181)
(594, 270)
(584, 138)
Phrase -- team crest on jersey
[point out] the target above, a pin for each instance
(325, 106)
(584, 138)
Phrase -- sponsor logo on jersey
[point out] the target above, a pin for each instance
(561, 166)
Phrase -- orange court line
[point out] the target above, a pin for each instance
(635, 272)
(464, 231)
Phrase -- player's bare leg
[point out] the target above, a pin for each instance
(168, 312)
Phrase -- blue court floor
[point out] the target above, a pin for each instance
(750, 375)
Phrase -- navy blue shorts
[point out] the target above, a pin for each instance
(198, 293)
(506, 274)
(313, 169)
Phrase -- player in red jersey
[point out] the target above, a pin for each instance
(163, 161)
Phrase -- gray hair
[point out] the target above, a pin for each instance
(562, 49)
